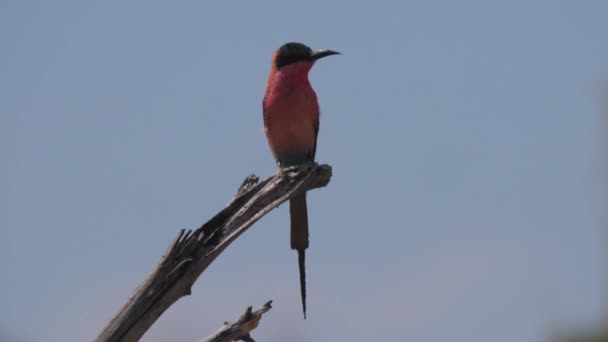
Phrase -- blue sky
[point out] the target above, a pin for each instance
(466, 140)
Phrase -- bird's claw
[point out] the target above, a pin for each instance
(285, 171)
(285, 176)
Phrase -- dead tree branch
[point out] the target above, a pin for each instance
(192, 252)
(240, 329)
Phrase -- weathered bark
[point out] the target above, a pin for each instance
(192, 252)
(240, 329)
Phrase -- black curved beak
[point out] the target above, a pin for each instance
(318, 54)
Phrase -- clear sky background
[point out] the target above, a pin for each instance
(465, 139)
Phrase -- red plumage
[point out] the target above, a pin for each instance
(291, 114)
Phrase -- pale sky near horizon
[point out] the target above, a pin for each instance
(466, 202)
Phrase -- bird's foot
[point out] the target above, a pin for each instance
(285, 175)
(288, 172)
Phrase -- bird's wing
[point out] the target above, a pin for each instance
(314, 146)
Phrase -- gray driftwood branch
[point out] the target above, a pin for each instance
(240, 329)
(192, 252)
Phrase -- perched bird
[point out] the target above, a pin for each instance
(291, 122)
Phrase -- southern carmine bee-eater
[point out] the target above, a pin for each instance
(291, 122)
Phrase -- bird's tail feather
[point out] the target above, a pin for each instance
(299, 238)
